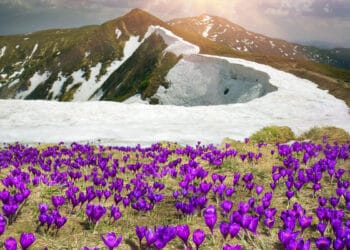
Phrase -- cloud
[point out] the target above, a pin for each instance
(288, 19)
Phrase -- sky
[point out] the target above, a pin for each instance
(321, 22)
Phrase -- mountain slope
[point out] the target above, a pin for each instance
(54, 64)
(237, 38)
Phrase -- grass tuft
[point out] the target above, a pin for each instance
(273, 134)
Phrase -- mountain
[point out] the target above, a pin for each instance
(140, 55)
(237, 38)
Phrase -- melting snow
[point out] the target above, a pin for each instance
(176, 44)
(35, 81)
(207, 29)
(2, 51)
(57, 86)
(34, 50)
(88, 87)
(118, 33)
(130, 47)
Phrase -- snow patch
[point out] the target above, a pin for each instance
(130, 47)
(57, 86)
(33, 51)
(35, 81)
(207, 29)
(17, 73)
(13, 83)
(118, 33)
(88, 87)
(2, 51)
(87, 54)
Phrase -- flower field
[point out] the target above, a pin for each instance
(242, 195)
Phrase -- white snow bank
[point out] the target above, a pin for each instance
(199, 80)
(2, 51)
(35, 81)
(176, 44)
(129, 124)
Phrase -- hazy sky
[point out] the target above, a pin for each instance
(326, 21)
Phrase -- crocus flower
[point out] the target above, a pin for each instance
(111, 241)
(226, 206)
(231, 247)
(60, 221)
(224, 229)
(234, 229)
(321, 227)
(183, 232)
(10, 244)
(304, 222)
(198, 237)
(26, 240)
(338, 244)
(286, 236)
(2, 224)
(140, 232)
(57, 201)
(259, 189)
(323, 243)
(210, 217)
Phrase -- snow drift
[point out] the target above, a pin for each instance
(200, 80)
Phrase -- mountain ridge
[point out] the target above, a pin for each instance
(238, 38)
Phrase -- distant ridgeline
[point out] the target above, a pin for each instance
(135, 54)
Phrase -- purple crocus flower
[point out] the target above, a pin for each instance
(321, 227)
(226, 206)
(2, 224)
(10, 244)
(111, 241)
(287, 235)
(289, 194)
(322, 201)
(234, 229)
(210, 217)
(183, 232)
(338, 244)
(259, 189)
(115, 213)
(57, 201)
(140, 232)
(198, 237)
(60, 221)
(304, 222)
(323, 243)
(236, 178)
(224, 229)
(334, 201)
(26, 240)
(231, 247)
